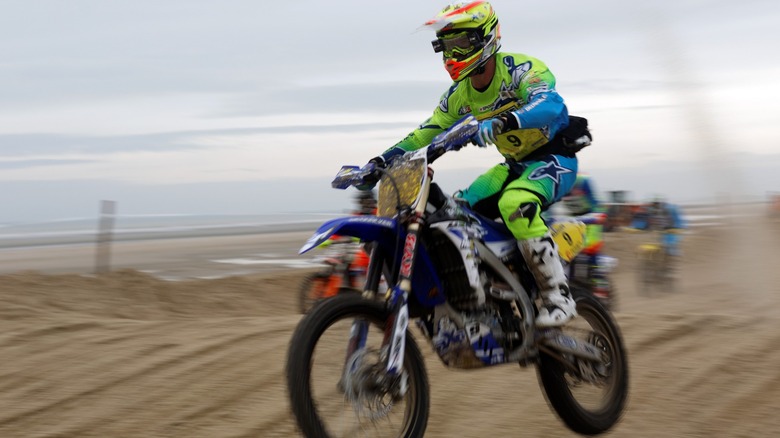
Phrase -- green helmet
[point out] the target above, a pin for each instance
(467, 34)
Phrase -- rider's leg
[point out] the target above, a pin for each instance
(593, 245)
(671, 242)
(671, 249)
(482, 195)
(521, 204)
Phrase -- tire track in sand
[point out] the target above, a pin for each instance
(72, 397)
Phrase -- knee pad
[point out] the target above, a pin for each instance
(521, 211)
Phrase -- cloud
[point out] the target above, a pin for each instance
(21, 164)
(379, 97)
(22, 145)
(199, 92)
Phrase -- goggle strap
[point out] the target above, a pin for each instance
(474, 38)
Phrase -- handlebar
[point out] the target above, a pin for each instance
(349, 176)
(455, 137)
(460, 133)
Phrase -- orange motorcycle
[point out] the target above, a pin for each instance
(344, 269)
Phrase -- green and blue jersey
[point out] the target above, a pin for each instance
(522, 87)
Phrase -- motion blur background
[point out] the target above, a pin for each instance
(196, 107)
(222, 123)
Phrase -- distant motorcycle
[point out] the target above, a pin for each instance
(656, 267)
(585, 274)
(344, 271)
(354, 369)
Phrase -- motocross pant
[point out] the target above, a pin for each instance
(671, 243)
(518, 192)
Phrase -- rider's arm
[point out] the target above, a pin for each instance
(422, 136)
(544, 106)
(541, 110)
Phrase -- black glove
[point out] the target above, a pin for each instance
(370, 180)
(576, 136)
(379, 162)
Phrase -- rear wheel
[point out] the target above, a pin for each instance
(329, 402)
(668, 272)
(589, 397)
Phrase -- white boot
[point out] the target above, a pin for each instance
(541, 255)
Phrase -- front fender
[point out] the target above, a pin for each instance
(366, 228)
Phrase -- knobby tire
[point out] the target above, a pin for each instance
(552, 377)
(299, 364)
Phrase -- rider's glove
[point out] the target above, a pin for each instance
(370, 180)
(379, 162)
(488, 129)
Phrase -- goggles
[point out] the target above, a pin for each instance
(458, 46)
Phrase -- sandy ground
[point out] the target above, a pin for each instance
(129, 355)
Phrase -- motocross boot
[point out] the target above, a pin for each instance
(541, 255)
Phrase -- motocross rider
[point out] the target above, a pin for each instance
(582, 202)
(665, 217)
(513, 96)
(366, 203)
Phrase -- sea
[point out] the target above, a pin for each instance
(79, 230)
(19, 240)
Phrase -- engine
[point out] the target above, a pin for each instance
(466, 339)
(452, 272)
(467, 331)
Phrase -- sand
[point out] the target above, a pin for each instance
(129, 355)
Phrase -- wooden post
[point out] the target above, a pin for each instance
(104, 236)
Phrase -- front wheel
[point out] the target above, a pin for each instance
(589, 397)
(334, 393)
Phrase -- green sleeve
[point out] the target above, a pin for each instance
(441, 119)
(539, 80)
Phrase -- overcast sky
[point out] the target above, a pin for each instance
(194, 106)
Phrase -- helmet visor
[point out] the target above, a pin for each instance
(457, 46)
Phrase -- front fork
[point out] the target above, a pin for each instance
(394, 341)
(358, 333)
(396, 299)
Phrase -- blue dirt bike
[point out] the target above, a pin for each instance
(353, 366)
